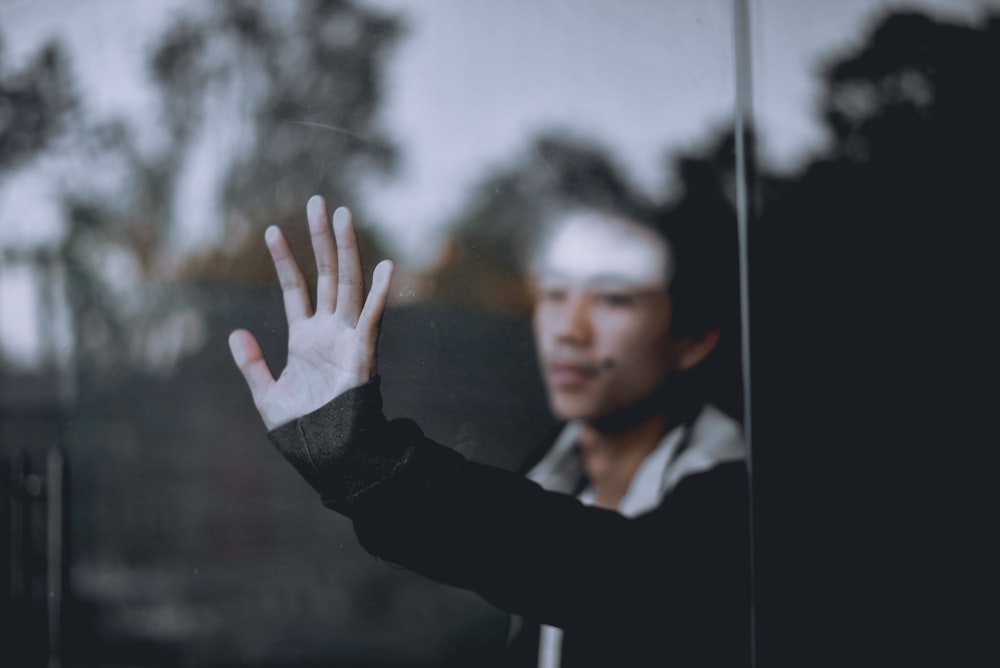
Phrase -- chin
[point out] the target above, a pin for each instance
(573, 410)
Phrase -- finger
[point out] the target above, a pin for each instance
(325, 252)
(250, 361)
(350, 283)
(293, 286)
(371, 316)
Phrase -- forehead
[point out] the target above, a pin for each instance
(593, 249)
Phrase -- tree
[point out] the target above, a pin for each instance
(263, 105)
(872, 276)
(488, 254)
(35, 104)
(295, 87)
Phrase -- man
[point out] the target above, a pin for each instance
(628, 539)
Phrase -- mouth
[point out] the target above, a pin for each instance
(569, 376)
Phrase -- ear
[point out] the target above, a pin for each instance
(694, 350)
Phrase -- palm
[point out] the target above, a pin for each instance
(331, 349)
(324, 360)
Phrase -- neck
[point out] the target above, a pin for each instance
(611, 457)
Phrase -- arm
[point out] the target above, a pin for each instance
(541, 554)
(422, 505)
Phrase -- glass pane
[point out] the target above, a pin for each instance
(144, 148)
(873, 214)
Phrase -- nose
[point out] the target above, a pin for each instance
(572, 321)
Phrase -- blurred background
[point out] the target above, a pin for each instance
(144, 147)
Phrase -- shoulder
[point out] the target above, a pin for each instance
(704, 523)
(713, 501)
(724, 482)
(724, 479)
(718, 436)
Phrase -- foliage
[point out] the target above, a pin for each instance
(303, 86)
(264, 104)
(34, 105)
(495, 234)
(872, 275)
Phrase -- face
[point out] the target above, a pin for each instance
(602, 316)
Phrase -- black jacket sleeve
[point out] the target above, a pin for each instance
(544, 555)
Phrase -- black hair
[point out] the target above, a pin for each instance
(705, 283)
(701, 238)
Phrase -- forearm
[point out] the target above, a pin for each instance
(423, 506)
(345, 447)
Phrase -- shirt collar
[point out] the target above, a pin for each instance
(714, 438)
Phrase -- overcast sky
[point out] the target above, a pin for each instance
(472, 81)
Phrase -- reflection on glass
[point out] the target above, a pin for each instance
(136, 179)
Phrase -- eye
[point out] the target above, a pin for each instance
(614, 299)
(551, 294)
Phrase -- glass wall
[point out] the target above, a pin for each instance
(146, 146)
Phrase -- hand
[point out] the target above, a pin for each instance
(331, 349)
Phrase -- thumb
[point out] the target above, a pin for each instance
(250, 361)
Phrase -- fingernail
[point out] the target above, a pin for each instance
(314, 207)
(239, 355)
(341, 216)
(271, 234)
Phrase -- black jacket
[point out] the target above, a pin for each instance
(668, 588)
